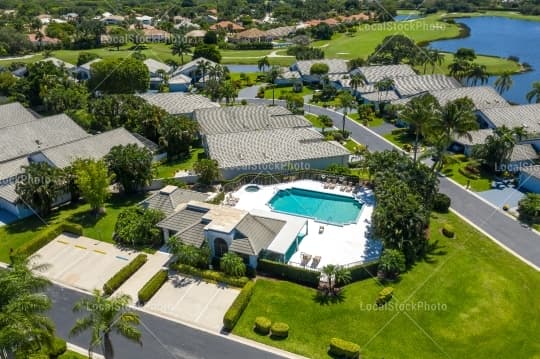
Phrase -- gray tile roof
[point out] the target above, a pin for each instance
(14, 114)
(255, 233)
(178, 103)
(407, 86)
(478, 137)
(183, 219)
(515, 116)
(59, 63)
(154, 66)
(12, 168)
(335, 66)
(280, 145)
(167, 200)
(95, 147)
(23, 139)
(192, 65)
(7, 191)
(180, 79)
(280, 31)
(383, 96)
(193, 235)
(377, 73)
(87, 66)
(525, 152)
(245, 118)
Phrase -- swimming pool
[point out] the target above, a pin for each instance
(323, 207)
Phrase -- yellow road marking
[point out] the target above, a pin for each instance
(81, 247)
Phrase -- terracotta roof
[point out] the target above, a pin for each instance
(45, 39)
(252, 33)
(227, 25)
(357, 17)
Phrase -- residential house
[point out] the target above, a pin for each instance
(335, 67)
(526, 116)
(178, 103)
(280, 32)
(195, 37)
(192, 69)
(169, 199)
(157, 71)
(112, 19)
(83, 72)
(252, 35)
(228, 26)
(144, 19)
(43, 41)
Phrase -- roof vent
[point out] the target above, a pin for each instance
(168, 189)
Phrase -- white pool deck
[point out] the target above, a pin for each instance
(343, 245)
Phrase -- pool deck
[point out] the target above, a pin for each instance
(336, 244)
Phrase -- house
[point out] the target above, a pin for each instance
(83, 72)
(157, 70)
(112, 19)
(71, 16)
(466, 144)
(59, 63)
(151, 34)
(374, 74)
(406, 86)
(144, 19)
(180, 21)
(169, 199)
(252, 35)
(335, 67)
(178, 103)
(44, 18)
(227, 229)
(180, 83)
(43, 41)
(356, 18)
(526, 116)
(191, 69)
(228, 26)
(195, 37)
(253, 139)
(280, 32)
(13, 114)
(288, 78)
(529, 179)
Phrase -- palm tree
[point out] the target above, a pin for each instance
(232, 264)
(346, 101)
(180, 48)
(534, 93)
(458, 69)
(273, 74)
(229, 91)
(335, 275)
(420, 113)
(477, 73)
(385, 85)
(39, 39)
(498, 147)
(436, 59)
(504, 82)
(262, 63)
(105, 316)
(326, 122)
(203, 68)
(358, 80)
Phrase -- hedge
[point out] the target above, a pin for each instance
(238, 306)
(262, 325)
(293, 274)
(211, 275)
(46, 237)
(385, 295)
(253, 46)
(279, 330)
(448, 230)
(441, 203)
(59, 347)
(364, 271)
(123, 274)
(344, 349)
(152, 286)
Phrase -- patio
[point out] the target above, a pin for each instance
(324, 243)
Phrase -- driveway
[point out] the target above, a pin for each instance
(193, 301)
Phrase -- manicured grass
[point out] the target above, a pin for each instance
(100, 227)
(167, 169)
(279, 61)
(377, 121)
(282, 91)
(351, 145)
(251, 78)
(494, 65)
(451, 170)
(508, 14)
(478, 294)
(72, 355)
(314, 119)
(400, 137)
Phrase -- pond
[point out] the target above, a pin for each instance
(407, 17)
(503, 37)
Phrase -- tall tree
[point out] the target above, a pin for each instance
(207, 170)
(104, 317)
(177, 134)
(263, 63)
(477, 74)
(273, 74)
(119, 76)
(504, 82)
(534, 93)
(358, 80)
(346, 102)
(93, 180)
(497, 148)
(180, 48)
(326, 122)
(131, 165)
(209, 52)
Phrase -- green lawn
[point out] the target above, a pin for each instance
(451, 170)
(351, 145)
(400, 137)
(494, 65)
(72, 355)
(314, 119)
(167, 169)
(101, 228)
(377, 121)
(281, 91)
(251, 78)
(483, 304)
(508, 14)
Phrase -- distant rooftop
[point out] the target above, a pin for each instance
(377, 73)
(177, 103)
(527, 116)
(407, 86)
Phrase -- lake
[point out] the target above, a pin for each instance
(503, 37)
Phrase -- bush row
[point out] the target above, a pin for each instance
(363, 271)
(344, 349)
(47, 236)
(252, 46)
(238, 306)
(152, 286)
(123, 274)
(211, 275)
(264, 326)
(290, 273)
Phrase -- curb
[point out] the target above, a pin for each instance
(77, 349)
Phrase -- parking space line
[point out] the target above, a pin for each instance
(207, 305)
(191, 286)
(100, 251)
(123, 258)
(79, 246)
(63, 242)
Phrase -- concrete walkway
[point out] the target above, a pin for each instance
(506, 231)
(132, 286)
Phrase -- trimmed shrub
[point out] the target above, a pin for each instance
(211, 275)
(441, 203)
(448, 230)
(262, 325)
(238, 306)
(279, 330)
(385, 295)
(123, 274)
(363, 271)
(344, 349)
(152, 286)
(407, 147)
(46, 237)
(58, 347)
(290, 273)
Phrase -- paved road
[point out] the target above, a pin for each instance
(161, 338)
(504, 229)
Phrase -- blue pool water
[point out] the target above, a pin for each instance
(323, 207)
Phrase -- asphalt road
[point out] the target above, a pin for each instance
(161, 338)
(504, 229)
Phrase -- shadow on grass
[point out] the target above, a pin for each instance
(434, 249)
(326, 299)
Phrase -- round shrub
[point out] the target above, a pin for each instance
(58, 347)
(343, 349)
(280, 330)
(441, 203)
(262, 325)
(407, 147)
(448, 230)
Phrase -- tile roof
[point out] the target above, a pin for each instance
(244, 118)
(196, 33)
(7, 191)
(527, 116)
(193, 235)
(180, 79)
(227, 25)
(281, 145)
(183, 219)
(377, 73)
(335, 66)
(407, 86)
(29, 137)
(382, 96)
(478, 137)
(12, 168)
(282, 31)
(87, 66)
(193, 63)
(58, 63)
(255, 233)
(14, 114)
(252, 33)
(154, 66)
(525, 152)
(169, 198)
(95, 147)
(177, 103)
